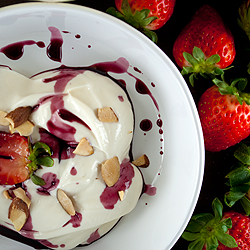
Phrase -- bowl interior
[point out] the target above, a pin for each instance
(174, 144)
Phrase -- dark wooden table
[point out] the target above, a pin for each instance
(217, 165)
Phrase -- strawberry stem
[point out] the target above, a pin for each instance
(138, 19)
(199, 65)
(225, 88)
(239, 179)
(208, 229)
(40, 155)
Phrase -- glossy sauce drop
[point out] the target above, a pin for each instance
(15, 51)
(141, 88)
(146, 125)
(54, 49)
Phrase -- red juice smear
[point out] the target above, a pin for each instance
(48, 244)
(15, 51)
(26, 230)
(75, 220)
(68, 116)
(61, 149)
(51, 183)
(62, 78)
(109, 196)
(94, 236)
(119, 66)
(54, 49)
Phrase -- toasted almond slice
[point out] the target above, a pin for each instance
(111, 171)
(24, 129)
(121, 195)
(84, 148)
(6, 194)
(18, 213)
(3, 120)
(142, 162)
(65, 202)
(106, 114)
(20, 193)
(18, 116)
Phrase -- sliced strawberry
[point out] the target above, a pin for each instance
(14, 153)
(19, 159)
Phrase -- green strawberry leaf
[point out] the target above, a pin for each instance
(37, 180)
(235, 194)
(226, 239)
(243, 154)
(190, 236)
(40, 155)
(217, 208)
(245, 202)
(197, 244)
(213, 60)
(198, 221)
(46, 161)
(198, 54)
(207, 229)
(225, 88)
(150, 34)
(239, 179)
(192, 60)
(239, 176)
(139, 19)
(200, 65)
(40, 147)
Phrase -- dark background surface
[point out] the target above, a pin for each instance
(217, 164)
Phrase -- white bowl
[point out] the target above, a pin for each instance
(89, 37)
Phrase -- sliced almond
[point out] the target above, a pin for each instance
(20, 193)
(18, 116)
(142, 162)
(3, 120)
(65, 202)
(6, 194)
(18, 213)
(24, 129)
(121, 195)
(111, 171)
(107, 114)
(84, 148)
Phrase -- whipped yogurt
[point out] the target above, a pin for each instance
(65, 102)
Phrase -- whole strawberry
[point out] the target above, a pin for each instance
(222, 231)
(224, 114)
(208, 32)
(145, 15)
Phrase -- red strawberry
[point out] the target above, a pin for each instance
(14, 154)
(145, 15)
(208, 32)
(18, 160)
(244, 21)
(219, 231)
(224, 114)
(239, 231)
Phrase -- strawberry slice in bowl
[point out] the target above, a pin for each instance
(19, 159)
